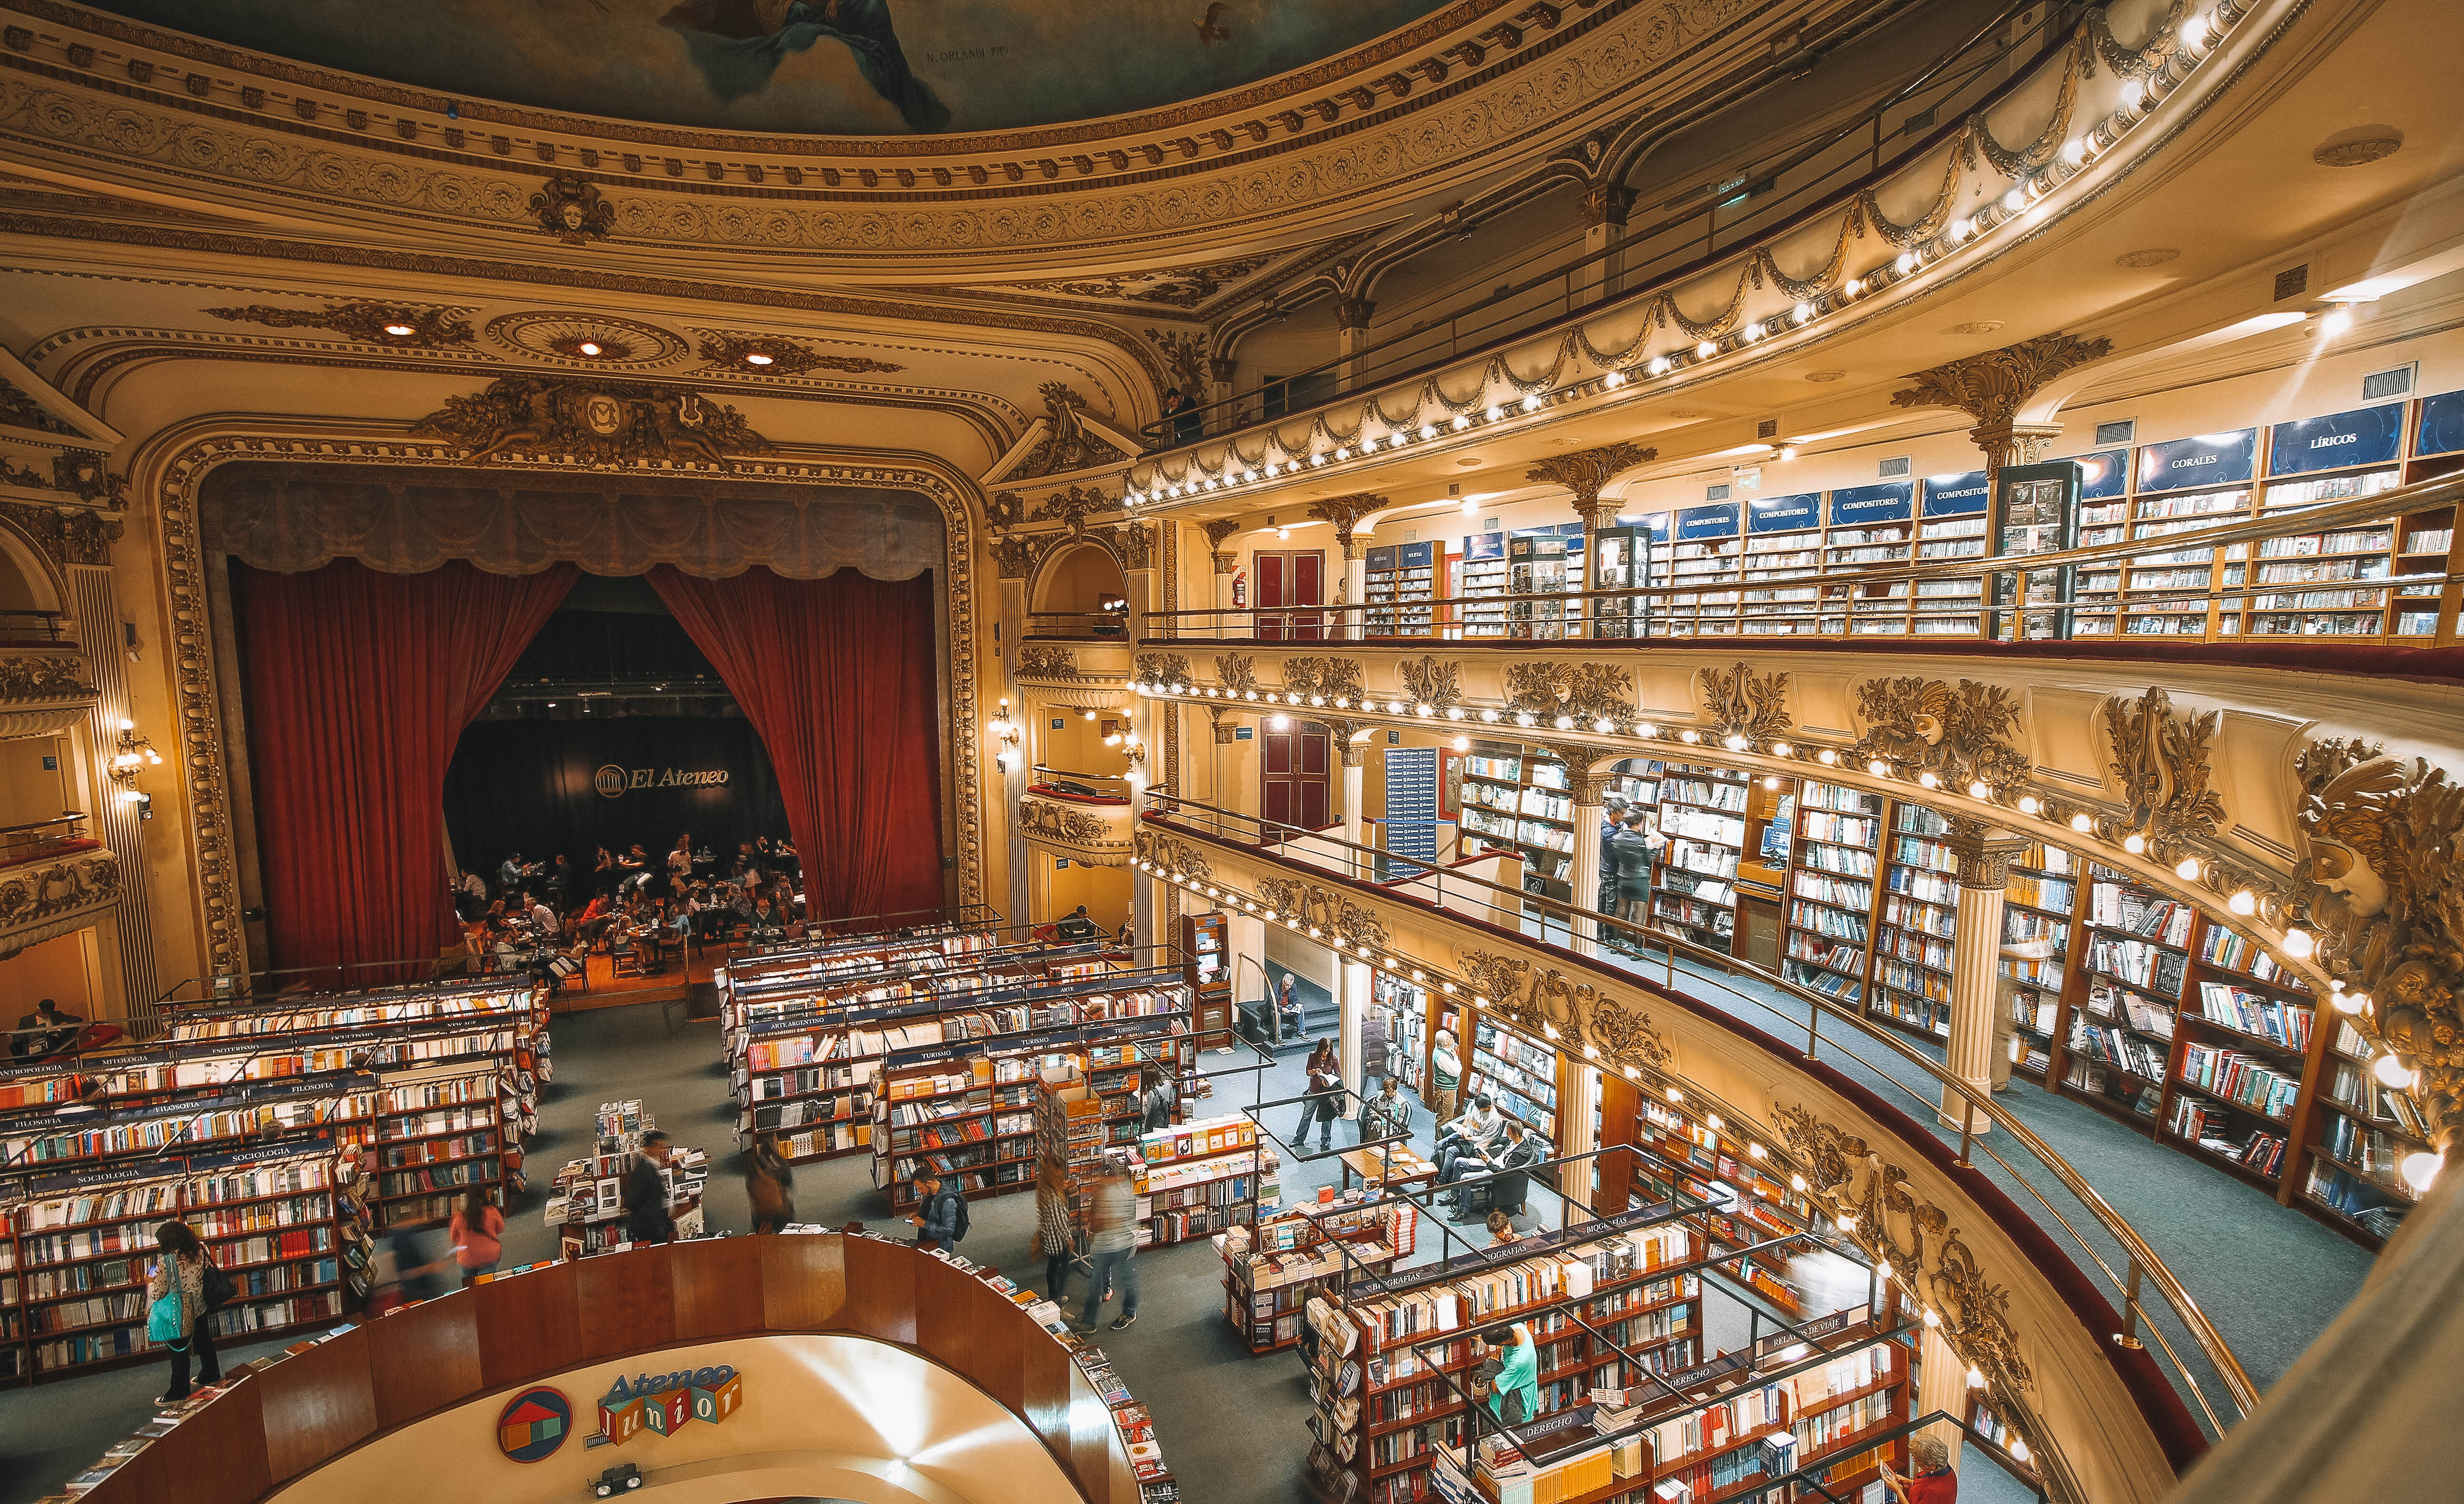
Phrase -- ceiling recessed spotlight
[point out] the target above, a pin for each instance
(757, 357)
(588, 347)
(400, 330)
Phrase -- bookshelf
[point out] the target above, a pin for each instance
(1703, 812)
(1521, 1073)
(2124, 1020)
(1206, 971)
(1202, 1177)
(2362, 1133)
(1396, 1034)
(587, 1204)
(2039, 922)
(1517, 798)
(1397, 582)
(1831, 891)
(966, 1109)
(1381, 1356)
(1480, 576)
(1272, 1268)
(1911, 977)
(802, 1035)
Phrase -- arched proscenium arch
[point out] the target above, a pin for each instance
(25, 558)
(172, 469)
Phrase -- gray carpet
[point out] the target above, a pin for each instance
(1231, 1425)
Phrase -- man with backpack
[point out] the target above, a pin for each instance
(941, 1213)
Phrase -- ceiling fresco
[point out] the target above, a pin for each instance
(824, 67)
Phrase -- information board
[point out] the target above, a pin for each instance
(1410, 809)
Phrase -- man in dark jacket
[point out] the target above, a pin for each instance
(1633, 852)
(941, 1213)
(647, 1217)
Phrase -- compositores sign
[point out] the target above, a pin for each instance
(666, 1403)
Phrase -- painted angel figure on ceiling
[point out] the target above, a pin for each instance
(739, 44)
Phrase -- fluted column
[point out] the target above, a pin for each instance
(1355, 759)
(1351, 317)
(1985, 855)
(1227, 564)
(118, 814)
(1941, 1385)
(1589, 791)
(1576, 1132)
(1353, 1000)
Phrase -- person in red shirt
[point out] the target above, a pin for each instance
(1933, 1483)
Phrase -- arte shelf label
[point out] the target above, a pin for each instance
(666, 1403)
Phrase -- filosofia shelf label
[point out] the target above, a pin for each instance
(666, 1403)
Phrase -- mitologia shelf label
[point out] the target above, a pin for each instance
(664, 1403)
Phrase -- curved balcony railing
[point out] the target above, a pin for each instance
(282, 1421)
(2076, 595)
(2189, 1339)
(1793, 179)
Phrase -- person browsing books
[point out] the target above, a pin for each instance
(647, 1217)
(1932, 1481)
(1473, 1133)
(941, 1213)
(1514, 1393)
(1114, 1247)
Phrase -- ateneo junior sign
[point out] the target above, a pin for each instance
(612, 782)
(664, 1403)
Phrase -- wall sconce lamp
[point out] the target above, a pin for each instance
(1005, 731)
(1132, 748)
(134, 751)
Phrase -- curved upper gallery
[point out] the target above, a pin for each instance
(785, 141)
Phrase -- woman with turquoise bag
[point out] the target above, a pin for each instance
(178, 1318)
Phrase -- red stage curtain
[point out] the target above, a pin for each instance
(837, 675)
(359, 684)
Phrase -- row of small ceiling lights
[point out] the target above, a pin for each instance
(2015, 205)
(1402, 969)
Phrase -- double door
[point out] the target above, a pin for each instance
(1295, 578)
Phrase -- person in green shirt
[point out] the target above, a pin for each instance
(1518, 1375)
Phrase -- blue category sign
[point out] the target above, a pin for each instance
(1785, 514)
(2364, 436)
(1485, 545)
(1412, 803)
(1381, 559)
(1654, 523)
(1864, 506)
(1417, 555)
(2442, 424)
(2210, 459)
(1718, 520)
(1955, 495)
(2105, 475)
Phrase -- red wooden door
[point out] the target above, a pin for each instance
(1293, 770)
(1295, 579)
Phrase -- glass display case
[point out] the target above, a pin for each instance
(1535, 566)
(1620, 560)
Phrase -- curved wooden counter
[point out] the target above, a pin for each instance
(278, 1426)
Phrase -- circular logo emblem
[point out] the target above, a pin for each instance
(602, 414)
(609, 780)
(533, 1424)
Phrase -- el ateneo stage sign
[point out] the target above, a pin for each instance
(545, 787)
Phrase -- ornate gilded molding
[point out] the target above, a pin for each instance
(1014, 558)
(1163, 668)
(368, 323)
(1431, 682)
(1925, 1252)
(2382, 883)
(49, 897)
(1957, 733)
(1072, 508)
(605, 424)
(1133, 543)
(1323, 911)
(1068, 442)
(1236, 672)
(66, 535)
(1983, 852)
(18, 410)
(1994, 386)
(1584, 472)
(43, 677)
(1170, 854)
(75, 473)
(175, 477)
(1216, 531)
(770, 354)
(1332, 680)
(1739, 702)
(1346, 512)
(2161, 760)
(570, 206)
(1585, 692)
(1051, 821)
(1039, 661)
(1184, 355)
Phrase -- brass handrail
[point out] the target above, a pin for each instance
(2142, 1260)
(2387, 506)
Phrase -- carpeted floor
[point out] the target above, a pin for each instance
(1232, 1425)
